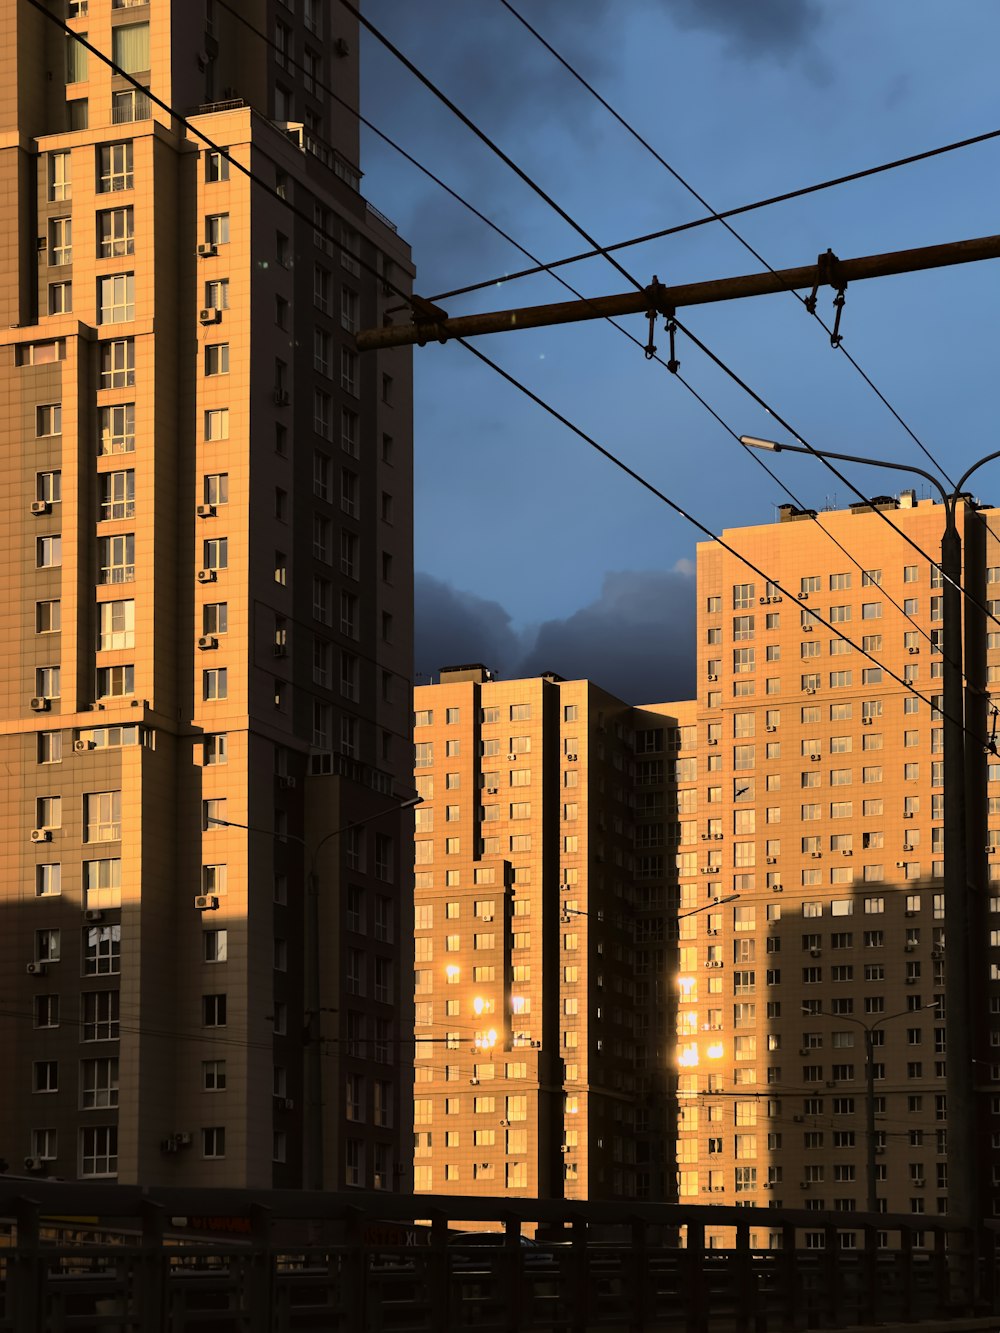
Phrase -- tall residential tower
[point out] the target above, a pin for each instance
(205, 680)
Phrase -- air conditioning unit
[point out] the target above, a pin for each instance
(770, 728)
(282, 398)
(804, 1050)
(831, 1082)
(990, 851)
(713, 932)
(909, 948)
(208, 641)
(712, 677)
(39, 507)
(81, 747)
(210, 316)
(937, 953)
(571, 757)
(846, 851)
(205, 511)
(33, 1164)
(913, 651)
(40, 704)
(37, 969)
(803, 1184)
(286, 782)
(815, 757)
(206, 575)
(717, 837)
(815, 953)
(474, 1082)
(811, 689)
(880, 1152)
(807, 629)
(492, 791)
(206, 902)
(866, 721)
(713, 962)
(907, 847)
(815, 855)
(207, 250)
(712, 740)
(41, 835)
(93, 914)
(768, 1185)
(911, 981)
(900, 865)
(772, 860)
(342, 48)
(705, 837)
(907, 814)
(799, 1119)
(512, 757)
(920, 1184)
(803, 597)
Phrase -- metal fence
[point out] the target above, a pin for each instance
(119, 1260)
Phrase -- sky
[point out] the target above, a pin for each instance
(533, 553)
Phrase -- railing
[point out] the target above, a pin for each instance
(285, 1261)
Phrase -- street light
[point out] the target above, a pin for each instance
(869, 1029)
(312, 1065)
(962, 824)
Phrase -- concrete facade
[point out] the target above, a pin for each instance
(206, 612)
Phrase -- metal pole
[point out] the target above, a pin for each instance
(961, 1119)
(432, 328)
(870, 1119)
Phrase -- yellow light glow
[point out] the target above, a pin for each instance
(485, 1040)
(687, 1056)
(714, 1051)
(517, 1004)
(686, 984)
(478, 1005)
(452, 970)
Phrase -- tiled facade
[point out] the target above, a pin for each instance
(206, 612)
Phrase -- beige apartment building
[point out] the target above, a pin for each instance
(526, 1069)
(204, 729)
(763, 872)
(814, 790)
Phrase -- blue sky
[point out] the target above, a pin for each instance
(532, 552)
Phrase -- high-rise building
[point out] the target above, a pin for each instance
(764, 873)
(818, 799)
(205, 685)
(527, 1077)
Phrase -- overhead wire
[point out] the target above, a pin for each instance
(326, 88)
(501, 278)
(255, 179)
(810, 307)
(522, 175)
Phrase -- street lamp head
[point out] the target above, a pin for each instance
(752, 442)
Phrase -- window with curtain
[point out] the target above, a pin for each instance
(130, 47)
(76, 61)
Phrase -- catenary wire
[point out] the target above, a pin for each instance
(522, 175)
(716, 217)
(254, 178)
(695, 522)
(262, 36)
(501, 278)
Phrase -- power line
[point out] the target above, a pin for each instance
(168, 109)
(809, 305)
(262, 36)
(522, 175)
(703, 528)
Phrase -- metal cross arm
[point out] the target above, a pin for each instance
(432, 324)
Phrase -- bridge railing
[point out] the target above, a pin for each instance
(116, 1259)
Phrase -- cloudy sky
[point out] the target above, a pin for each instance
(533, 552)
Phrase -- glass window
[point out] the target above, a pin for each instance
(130, 47)
(115, 167)
(116, 298)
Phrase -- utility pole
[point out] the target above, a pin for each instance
(431, 324)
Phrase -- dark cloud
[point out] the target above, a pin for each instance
(636, 639)
(780, 28)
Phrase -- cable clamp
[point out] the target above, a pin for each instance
(653, 291)
(673, 365)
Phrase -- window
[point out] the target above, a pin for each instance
(48, 419)
(115, 233)
(117, 494)
(215, 683)
(217, 229)
(48, 617)
(216, 166)
(60, 298)
(60, 177)
(50, 747)
(47, 682)
(102, 816)
(98, 1083)
(217, 294)
(213, 1142)
(118, 364)
(116, 298)
(102, 883)
(99, 1150)
(115, 682)
(115, 167)
(116, 559)
(60, 241)
(349, 371)
(130, 47)
(48, 552)
(215, 553)
(48, 487)
(102, 950)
